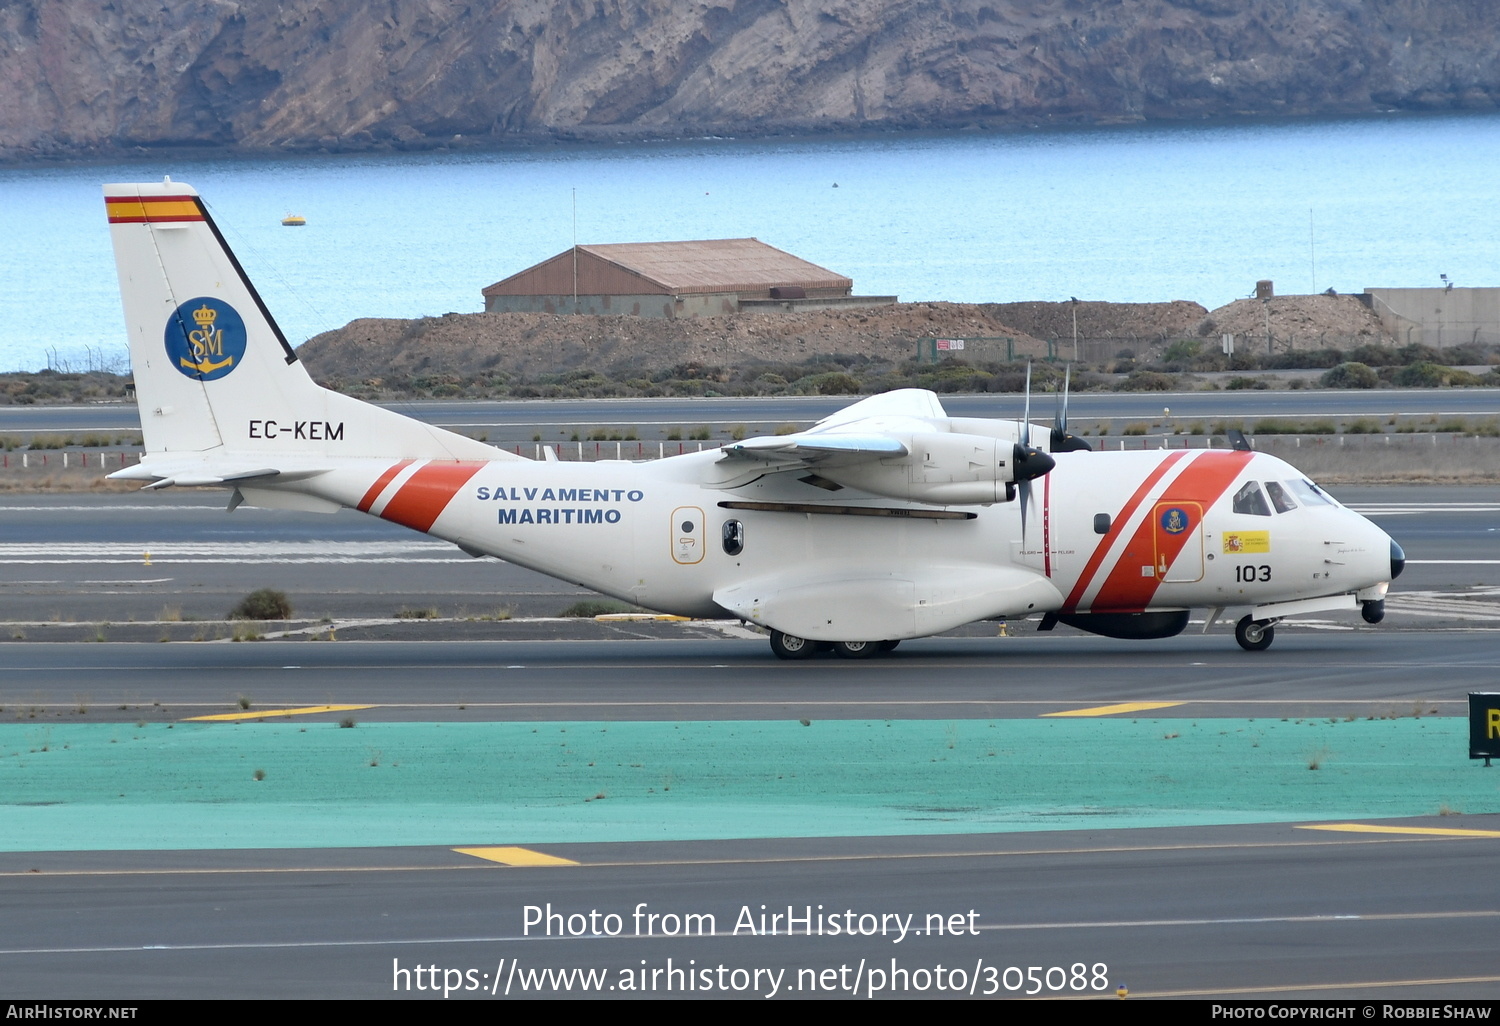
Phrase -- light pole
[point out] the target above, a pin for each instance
(1075, 327)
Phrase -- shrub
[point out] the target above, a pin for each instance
(263, 604)
(1350, 375)
(1147, 381)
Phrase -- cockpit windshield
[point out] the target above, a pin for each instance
(1309, 493)
(1279, 497)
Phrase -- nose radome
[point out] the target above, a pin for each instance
(1398, 560)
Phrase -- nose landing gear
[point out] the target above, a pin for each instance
(1255, 635)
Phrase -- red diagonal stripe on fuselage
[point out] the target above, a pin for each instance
(379, 485)
(1116, 527)
(1202, 482)
(424, 496)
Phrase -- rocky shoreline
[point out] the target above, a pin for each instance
(92, 78)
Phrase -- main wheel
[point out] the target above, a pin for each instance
(1254, 635)
(789, 646)
(887, 646)
(856, 649)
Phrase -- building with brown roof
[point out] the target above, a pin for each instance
(705, 278)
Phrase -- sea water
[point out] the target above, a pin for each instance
(1131, 214)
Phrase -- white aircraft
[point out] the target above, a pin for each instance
(888, 520)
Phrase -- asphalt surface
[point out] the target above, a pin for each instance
(515, 418)
(85, 558)
(1256, 911)
(1236, 912)
(1358, 672)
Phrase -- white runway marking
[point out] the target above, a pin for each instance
(413, 551)
(1406, 509)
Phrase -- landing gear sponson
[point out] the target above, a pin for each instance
(789, 646)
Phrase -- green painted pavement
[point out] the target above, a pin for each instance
(191, 786)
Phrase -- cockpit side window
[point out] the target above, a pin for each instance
(1250, 500)
(1279, 497)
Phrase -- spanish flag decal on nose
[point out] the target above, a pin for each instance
(152, 209)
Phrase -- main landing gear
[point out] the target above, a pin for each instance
(789, 646)
(1255, 635)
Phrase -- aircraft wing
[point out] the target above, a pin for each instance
(880, 427)
(900, 445)
(813, 448)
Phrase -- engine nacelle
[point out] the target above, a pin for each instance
(947, 470)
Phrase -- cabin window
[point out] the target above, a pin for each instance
(734, 537)
(1250, 500)
(1101, 523)
(1279, 497)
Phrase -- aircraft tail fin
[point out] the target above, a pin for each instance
(213, 372)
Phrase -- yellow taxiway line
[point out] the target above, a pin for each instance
(1368, 828)
(515, 856)
(1114, 710)
(306, 710)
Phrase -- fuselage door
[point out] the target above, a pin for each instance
(1179, 542)
(687, 535)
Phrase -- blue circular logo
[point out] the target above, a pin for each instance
(1175, 520)
(205, 338)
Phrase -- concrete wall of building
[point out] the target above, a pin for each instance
(635, 306)
(707, 304)
(1439, 317)
(801, 305)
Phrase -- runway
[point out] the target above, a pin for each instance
(1179, 851)
(509, 417)
(1253, 912)
(1264, 909)
(90, 558)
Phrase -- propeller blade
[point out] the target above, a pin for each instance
(1030, 463)
(1061, 440)
(1025, 489)
(1026, 415)
(1062, 421)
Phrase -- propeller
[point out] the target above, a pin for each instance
(1030, 462)
(1061, 440)
(1019, 455)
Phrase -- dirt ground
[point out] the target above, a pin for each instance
(531, 345)
(1321, 321)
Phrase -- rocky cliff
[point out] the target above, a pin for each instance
(83, 76)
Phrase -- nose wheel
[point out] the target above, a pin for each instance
(1255, 635)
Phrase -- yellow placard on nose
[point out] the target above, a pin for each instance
(1244, 542)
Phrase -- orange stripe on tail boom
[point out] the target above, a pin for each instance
(379, 485)
(427, 493)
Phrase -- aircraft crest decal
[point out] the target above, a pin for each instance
(205, 338)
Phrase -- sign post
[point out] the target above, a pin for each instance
(1484, 725)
